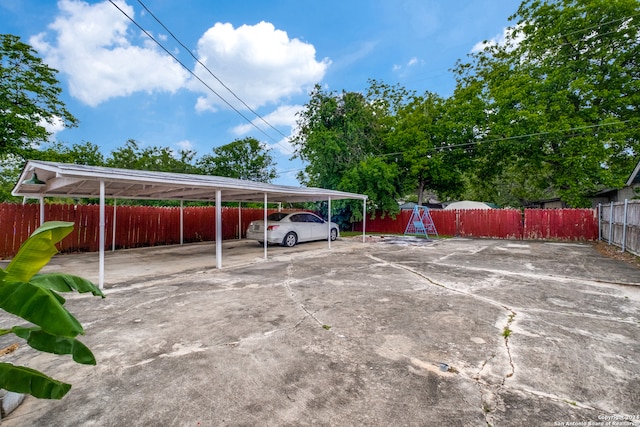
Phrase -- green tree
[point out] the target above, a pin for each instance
(336, 131)
(154, 158)
(561, 95)
(35, 298)
(11, 165)
(377, 179)
(244, 158)
(421, 137)
(339, 136)
(29, 97)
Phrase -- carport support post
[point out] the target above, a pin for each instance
(113, 239)
(101, 239)
(218, 229)
(265, 226)
(181, 222)
(239, 220)
(41, 199)
(364, 218)
(329, 221)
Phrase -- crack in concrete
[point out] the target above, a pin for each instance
(507, 334)
(488, 405)
(490, 393)
(575, 280)
(486, 410)
(291, 294)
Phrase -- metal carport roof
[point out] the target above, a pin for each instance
(40, 179)
(69, 180)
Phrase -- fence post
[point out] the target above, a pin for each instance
(624, 225)
(599, 221)
(610, 222)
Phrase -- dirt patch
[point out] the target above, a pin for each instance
(615, 252)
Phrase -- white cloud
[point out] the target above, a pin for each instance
(184, 145)
(56, 125)
(92, 47)
(507, 35)
(259, 63)
(283, 116)
(403, 69)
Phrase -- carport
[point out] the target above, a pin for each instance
(40, 179)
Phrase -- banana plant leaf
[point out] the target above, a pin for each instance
(39, 306)
(29, 381)
(40, 340)
(65, 283)
(36, 251)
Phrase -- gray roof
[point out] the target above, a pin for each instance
(81, 181)
(635, 176)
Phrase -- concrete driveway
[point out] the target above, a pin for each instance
(389, 332)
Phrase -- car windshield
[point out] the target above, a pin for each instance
(276, 216)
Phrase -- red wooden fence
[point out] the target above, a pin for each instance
(561, 224)
(136, 226)
(147, 226)
(552, 224)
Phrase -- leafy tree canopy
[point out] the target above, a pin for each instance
(336, 131)
(154, 158)
(429, 160)
(560, 95)
(29, 97)
(340, 136)
(244, 158)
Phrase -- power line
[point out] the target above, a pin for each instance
(507, 138)
(191, 72)
(598, 26)
(208, 70)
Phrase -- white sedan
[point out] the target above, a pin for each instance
(287, 229)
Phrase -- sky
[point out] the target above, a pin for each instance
(224, 68)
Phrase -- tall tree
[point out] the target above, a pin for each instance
(244, 158)
(29, 97)
(340, 136)
(562, 94)
(11, 165)
(421, 138)
(154, 158)
(336, 131)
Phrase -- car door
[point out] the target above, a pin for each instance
(318, 227)
(301, 227)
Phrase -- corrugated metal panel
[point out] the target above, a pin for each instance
(68, 180)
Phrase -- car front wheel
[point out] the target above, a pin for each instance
(290, 239)
(334, 234)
